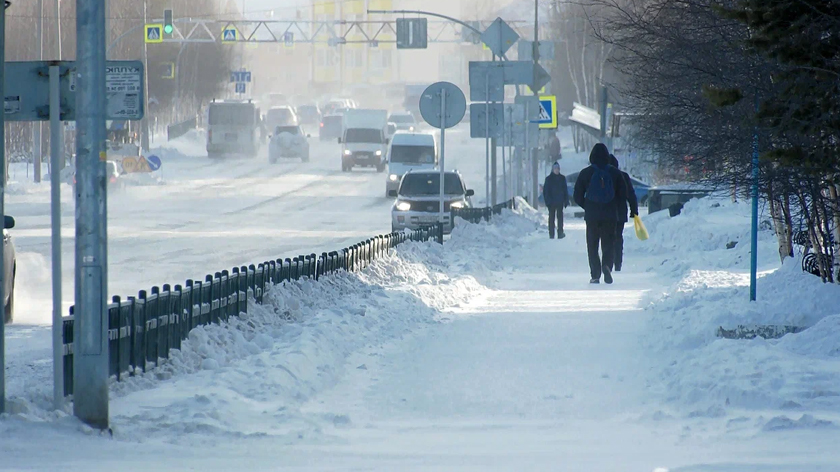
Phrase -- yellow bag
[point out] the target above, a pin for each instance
(641, 231)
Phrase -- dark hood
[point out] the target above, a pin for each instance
(613, 161)
(600, 155)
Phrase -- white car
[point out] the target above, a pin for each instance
(10, 269)
(409, 152)
(288, 142)
(405, 121)
(418, 200)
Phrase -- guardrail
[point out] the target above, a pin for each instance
(143, 329)
(476, 215)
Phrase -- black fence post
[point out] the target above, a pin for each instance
(163, 323)
(67, 324)
(126, 336)
(114, 338)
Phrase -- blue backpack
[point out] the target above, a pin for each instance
(601, 188)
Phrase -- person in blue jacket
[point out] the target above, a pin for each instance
(556, 195)
(598, 190)
(633, 202)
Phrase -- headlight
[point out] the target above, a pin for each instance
(456, 205)
(347, 152)
(411, 128)
(393, 178)
(403, 206)
(378, 153)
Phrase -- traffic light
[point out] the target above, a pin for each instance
(167, 23)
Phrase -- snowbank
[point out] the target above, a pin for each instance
(250, 375)
(704, 376)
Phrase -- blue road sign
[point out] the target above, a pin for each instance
(154, 162)
(229, 35)
(240, 76)
(548, 112)
(240, 87)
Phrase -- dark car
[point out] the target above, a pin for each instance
(308, 115)
(10, 269)
(673, 197)
(331, 127)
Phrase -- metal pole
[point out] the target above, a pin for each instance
(56, 148)
(144, 123)
(754, 226)
(58, 31)
(526, 152)
(90, 372)
(442, 155)
(3, 209)
(487, 140)
(504, 167)
(36, 126)
(491, 158)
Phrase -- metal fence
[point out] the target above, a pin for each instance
(143, 329)
(476, 215)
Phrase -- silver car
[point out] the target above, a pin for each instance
(10, 269)
(288, 141)
(418, 200)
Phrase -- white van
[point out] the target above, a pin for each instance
(233, 128)
(409, 151)
(363, 141)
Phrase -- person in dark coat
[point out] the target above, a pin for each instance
(633, 202)
(556, 195)
(554, 148)
(598, 190)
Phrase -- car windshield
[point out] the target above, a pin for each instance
(308, 110)
(401, 119)
(332, 121)
(412, 154)
(429, 184)
(286, 129)
(240, 114)
(361, 135)
(276, 115)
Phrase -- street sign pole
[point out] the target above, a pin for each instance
(534, 89)
(443, 156)
(2, 208)
(487, 142)
(56, 158)
(90, 373)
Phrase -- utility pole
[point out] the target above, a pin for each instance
(534, 89)
(90, 372)
(2, 206)
(144, 123)
(36, 126)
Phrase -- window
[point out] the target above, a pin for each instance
(413, 155)
(429, 184)
(359, 135)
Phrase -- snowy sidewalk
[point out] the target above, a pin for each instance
(490, 353)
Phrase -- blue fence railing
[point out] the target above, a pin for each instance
(143, 329)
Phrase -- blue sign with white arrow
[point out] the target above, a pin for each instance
(154, 162)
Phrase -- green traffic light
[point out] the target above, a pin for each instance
(167, 29)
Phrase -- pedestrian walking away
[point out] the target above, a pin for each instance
(554, 148)
(598, 190)
(556, 195)
(633, 204)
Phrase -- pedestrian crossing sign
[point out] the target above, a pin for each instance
(229, 34)
(548, 112)
(154, 33)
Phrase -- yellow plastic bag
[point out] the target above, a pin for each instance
(641, 231)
